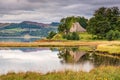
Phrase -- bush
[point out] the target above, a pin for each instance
(72, 36)
(75, 36)
(113, 35)
(51, 35)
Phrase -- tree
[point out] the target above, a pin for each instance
(51, 35)
(66, 23)
(62, 28)
(82, 21)
(102, 28)
(104, 20)
(113, 35)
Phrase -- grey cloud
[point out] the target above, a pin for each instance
(53, 9)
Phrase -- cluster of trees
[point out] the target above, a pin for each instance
(66, 24)
(105, 23)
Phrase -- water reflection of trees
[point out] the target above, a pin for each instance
(70, 55)
(75, 55)
(105, 60)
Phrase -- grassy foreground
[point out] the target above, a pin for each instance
(101, 73)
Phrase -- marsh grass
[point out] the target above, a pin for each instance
(109, 48)
(52, 43)
(101, 73)
(86, 48)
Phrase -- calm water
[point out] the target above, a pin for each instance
(45, 60)
(18, 39)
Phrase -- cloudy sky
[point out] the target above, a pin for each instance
(49, 10)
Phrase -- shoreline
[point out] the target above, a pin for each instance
(56, 43)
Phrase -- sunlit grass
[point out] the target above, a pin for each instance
(109, 48)
(85, 36)
(86, 48)
(58, 37)
(54, 43)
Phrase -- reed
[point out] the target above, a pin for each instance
(109, 48)
(54, 43)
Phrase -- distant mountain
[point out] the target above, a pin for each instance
(54, 23)
(37, 24)
(27, 28)
(4, 24)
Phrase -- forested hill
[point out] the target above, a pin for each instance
(27, 27)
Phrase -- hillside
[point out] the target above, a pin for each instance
(4, 24)
(26, 27)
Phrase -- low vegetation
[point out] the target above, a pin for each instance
(113, 35)
(54, 43)
(78, 36)
(71, 36)
(58, 37)
(101, 73)
(109, 48)
(86, 36)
